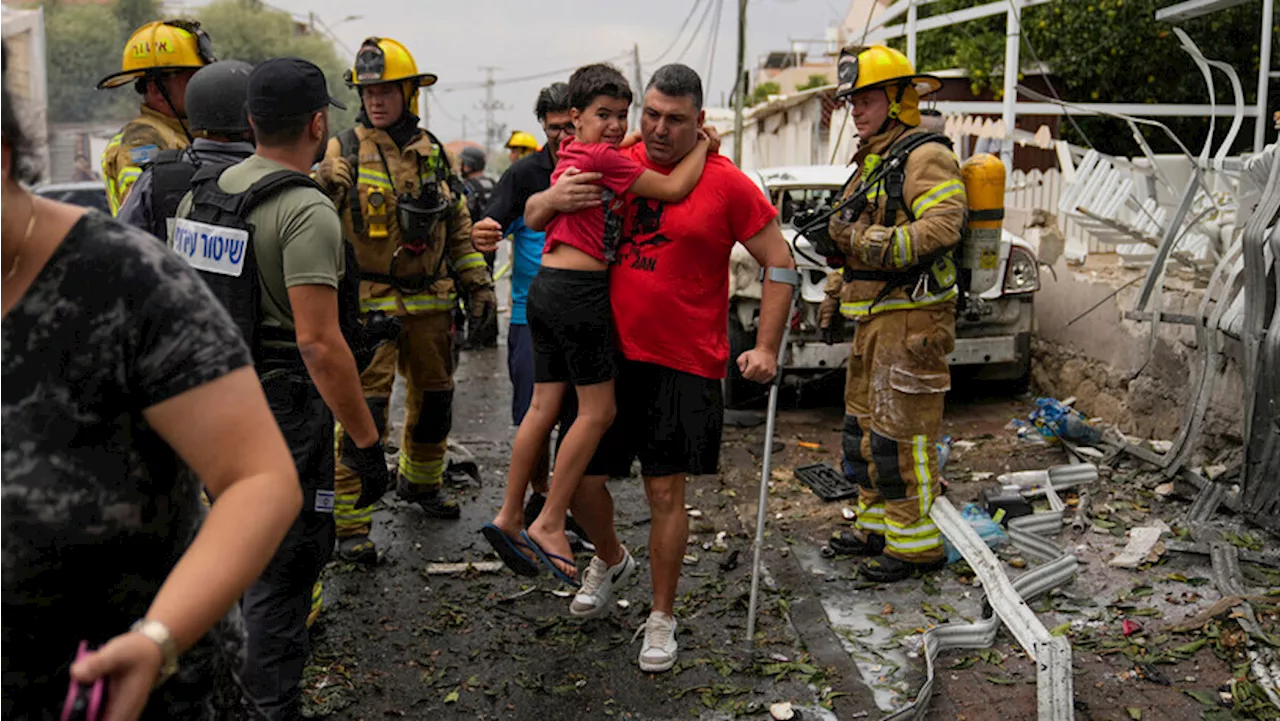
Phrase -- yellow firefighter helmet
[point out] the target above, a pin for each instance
(877, 66)
(522, 140)
(162, 46)
(383, 60)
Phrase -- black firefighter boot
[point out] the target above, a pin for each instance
(434, 503)
(358, 549)
(856, 543)
(887, 569)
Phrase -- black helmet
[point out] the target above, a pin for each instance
(216, 97)
(472, 159)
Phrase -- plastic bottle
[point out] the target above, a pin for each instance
(990, 531)
(944, 452)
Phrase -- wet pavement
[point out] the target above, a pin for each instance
(397, 641)
(400, 640)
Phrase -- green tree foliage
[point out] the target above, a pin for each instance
(133, 14)
(816, 80)
(1110, 51)
(761, 93)
(83, 44)
(249, 31)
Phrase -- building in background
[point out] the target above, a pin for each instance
(23, 31)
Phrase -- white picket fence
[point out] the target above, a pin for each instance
(1041, 189)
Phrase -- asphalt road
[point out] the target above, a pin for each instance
(397, 640)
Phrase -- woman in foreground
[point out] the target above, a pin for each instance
(125, 387)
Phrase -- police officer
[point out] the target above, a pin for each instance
(896, 230)
(159, 58)
(479, 189)
(404, 211)
(219, 121)
(287, 290)
(479, 186)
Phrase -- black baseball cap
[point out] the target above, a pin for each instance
(283, 87)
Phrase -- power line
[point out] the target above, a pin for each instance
(679, 33)
(562, 72)
(1049, 83)
(696, 31)
(439, 105)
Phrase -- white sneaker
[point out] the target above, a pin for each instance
(595, 597)
(658, 653)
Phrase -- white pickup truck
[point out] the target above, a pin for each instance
(993, 332)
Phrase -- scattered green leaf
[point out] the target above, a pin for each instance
(1207, 698)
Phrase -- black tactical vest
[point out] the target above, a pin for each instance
(479, 191)
(216, 238)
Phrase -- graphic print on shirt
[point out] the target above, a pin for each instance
(637, 247)
(613, 216)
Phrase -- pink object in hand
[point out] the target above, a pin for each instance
(85, 702)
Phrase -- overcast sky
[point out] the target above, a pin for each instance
(530, 37)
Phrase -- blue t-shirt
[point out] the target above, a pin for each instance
(526, 258)
(531, 174)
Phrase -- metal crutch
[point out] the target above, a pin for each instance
(791, 278)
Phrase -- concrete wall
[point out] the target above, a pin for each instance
(1113, 366)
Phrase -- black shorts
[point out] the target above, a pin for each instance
(672, 421)
(572, 326)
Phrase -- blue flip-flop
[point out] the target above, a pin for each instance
(508, 549)
(546, 559)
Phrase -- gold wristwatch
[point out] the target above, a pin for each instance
(159, 634)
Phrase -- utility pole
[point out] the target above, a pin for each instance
(740, 101)
(913, 18)
(639, 89)
(489, 106)
(464, 126)
(1012, 43)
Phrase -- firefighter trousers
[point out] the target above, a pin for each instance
(424, 356)
(895, 384)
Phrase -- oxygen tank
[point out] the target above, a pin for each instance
(984, 185)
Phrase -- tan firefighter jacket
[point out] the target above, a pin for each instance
(383, 173)
(934, 193)
(139, 141)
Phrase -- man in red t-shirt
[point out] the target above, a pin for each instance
(670, 296)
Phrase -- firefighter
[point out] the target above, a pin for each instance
(521, 144)
(404, 210)
(219, 120)
(159, 59)
(896, 229)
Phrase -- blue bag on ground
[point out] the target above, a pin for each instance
(980, 521)
(1055, 420)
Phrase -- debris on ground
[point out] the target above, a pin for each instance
(982, 523)
(825, 481)
(1055, 420)
(448, 569)
(1144, 546)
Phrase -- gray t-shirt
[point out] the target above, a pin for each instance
(297, 238)
(97, 508)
